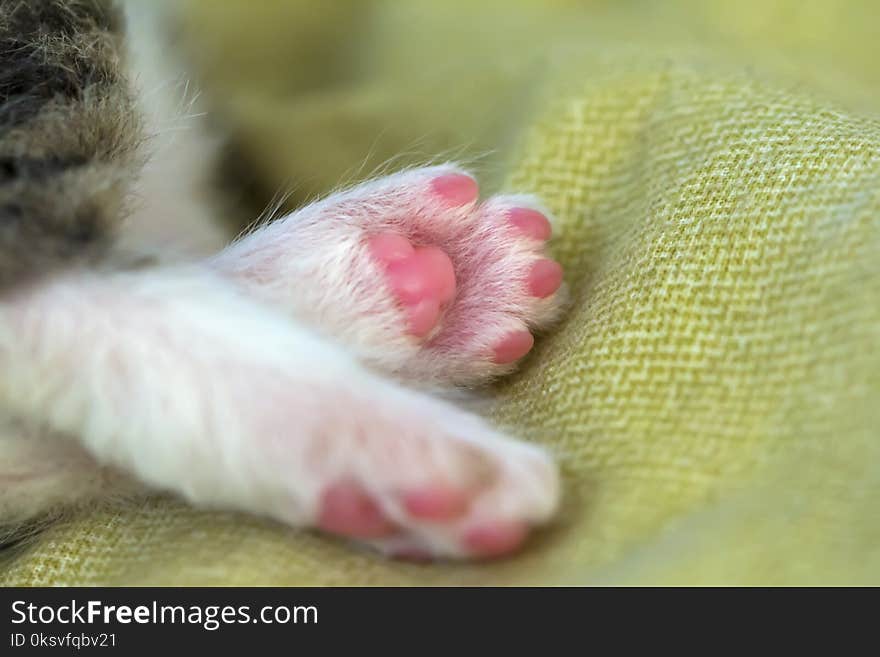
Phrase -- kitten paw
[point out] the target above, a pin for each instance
(446, 497)
(421, 278)
(414, 273)
(472, 280)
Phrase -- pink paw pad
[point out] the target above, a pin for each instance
(513, 347)
(347, 510)
(545, 278)
(496, 540)
(530, 223)
(436, 503)
(456, 188)
(422, 279)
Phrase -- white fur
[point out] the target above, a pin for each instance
(174, 213)
(173, 376)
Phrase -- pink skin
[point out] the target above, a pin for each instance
(436, 504)
(513, 347)
(545, 278)
(456, 188)
(347, 510)
(530, 223)
(422, 279)
(488, 541)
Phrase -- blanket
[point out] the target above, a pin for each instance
(712, 393)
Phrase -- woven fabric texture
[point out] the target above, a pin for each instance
(715, 168)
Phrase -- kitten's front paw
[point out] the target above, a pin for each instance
(437, 494)
(414, 273)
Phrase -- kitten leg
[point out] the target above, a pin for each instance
(176, 378)
(413, 273)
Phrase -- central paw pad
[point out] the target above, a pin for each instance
(422, 279)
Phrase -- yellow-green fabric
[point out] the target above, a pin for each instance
(714, 393)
